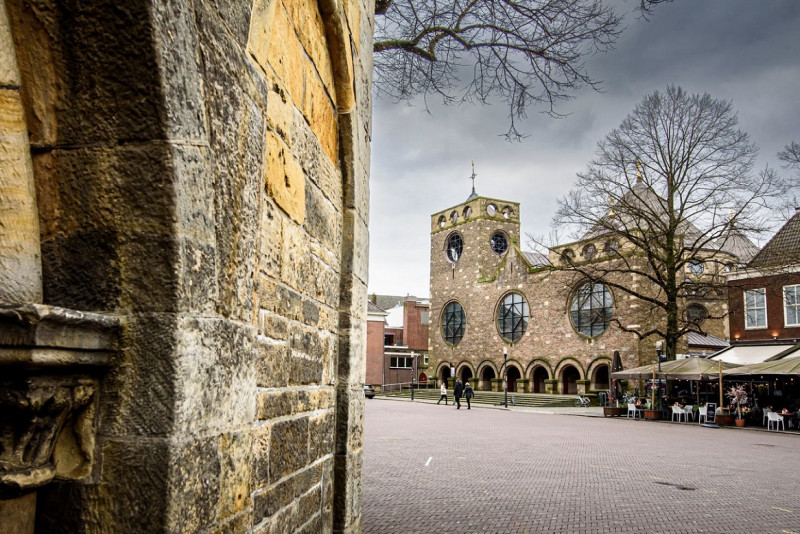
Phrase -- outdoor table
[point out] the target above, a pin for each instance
(788, 418)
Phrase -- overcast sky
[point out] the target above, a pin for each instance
(743, 51)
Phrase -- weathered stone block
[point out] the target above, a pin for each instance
(288, 447)
(271, 364)
(273, 326)
(310, 503)
(269, 500)
(285, 181)
(235, 450)
(270, 238)
(321, 435)
(320, 112)
(194, 490)
(319, 167)
(260, 32)
(309, 400)
(322, 221)
(175, 37)
(272, 404)
(260, 456)
(285, 54)
(309, 27)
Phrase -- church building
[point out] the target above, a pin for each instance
(498, 310)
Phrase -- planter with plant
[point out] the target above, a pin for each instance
(738, 397)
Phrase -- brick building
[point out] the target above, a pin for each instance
(403, 331)
(764, 297)
(492, 302)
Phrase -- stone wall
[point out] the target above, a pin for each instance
(202, 172)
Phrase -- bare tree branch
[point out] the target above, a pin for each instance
(674, 185)
(521, 51)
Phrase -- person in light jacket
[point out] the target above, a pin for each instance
(443, 390)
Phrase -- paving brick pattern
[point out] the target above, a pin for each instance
(430, 468)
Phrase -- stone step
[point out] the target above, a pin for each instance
(532, 400)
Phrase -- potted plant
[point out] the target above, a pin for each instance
(613, 409)
(654, 411)
(738, 397)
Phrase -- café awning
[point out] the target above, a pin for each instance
(750, 354)
(787, 366)
(685, 369)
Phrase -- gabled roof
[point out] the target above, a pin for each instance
(386, 302)
(536, 259)
(373, 309)
(696, 339)
(783, 249)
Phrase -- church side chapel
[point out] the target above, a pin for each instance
(551, 322)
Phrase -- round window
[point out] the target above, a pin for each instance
(499, 243)
(455, 245)
(454, 320)
(467, 212)
(512, 317)
(491, 209)
(454, 217)
(589, 251)
(591, 309)
(696, 267)
(696, 313)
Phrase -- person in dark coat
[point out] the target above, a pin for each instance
(458, 390)
(468, 393)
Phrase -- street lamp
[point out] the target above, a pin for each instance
(659, 352)
(505, 377)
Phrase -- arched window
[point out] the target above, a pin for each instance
(453, 322)
(696, 313)
(512, 317)
(589, 251)
(442, 221)
(591, 309)
(696, 267)
(491, 209)
(455, 245)
(467, 213)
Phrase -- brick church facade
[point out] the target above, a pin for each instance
(493, 304)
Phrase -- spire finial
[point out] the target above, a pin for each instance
(472, 177)
(638, 171)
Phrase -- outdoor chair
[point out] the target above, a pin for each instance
(689, 412)
(766, 412)
(776, 418)
(632, 409)
(702, 413)
(677, 410)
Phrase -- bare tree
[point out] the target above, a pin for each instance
(674, 186)
(521, 51)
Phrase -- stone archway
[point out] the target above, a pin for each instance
(569, 380)
(539, 376)
(487, 374)
(600, 377)
(465, 373)
(513, 374)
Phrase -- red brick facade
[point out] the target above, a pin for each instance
(776, 327)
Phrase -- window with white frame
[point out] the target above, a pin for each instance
(755, 308)
(401, 362)
(791, 305)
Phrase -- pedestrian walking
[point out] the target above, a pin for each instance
(443, 391)
(468, 393)
(458, 390)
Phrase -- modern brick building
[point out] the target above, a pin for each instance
(402, 332)
(764, 297)
(493, 304)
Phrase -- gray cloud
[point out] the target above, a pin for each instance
(742, 51)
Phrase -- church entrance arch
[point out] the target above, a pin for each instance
(513, 375)
(465, 374)
(540, 374)
(600, 377)
(486, 376)
(444, 374)
(569, 380)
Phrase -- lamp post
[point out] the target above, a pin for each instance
(505, 377)
(660, 357)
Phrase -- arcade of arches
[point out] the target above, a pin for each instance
(567, 379)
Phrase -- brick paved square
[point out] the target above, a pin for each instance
(430, 468)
